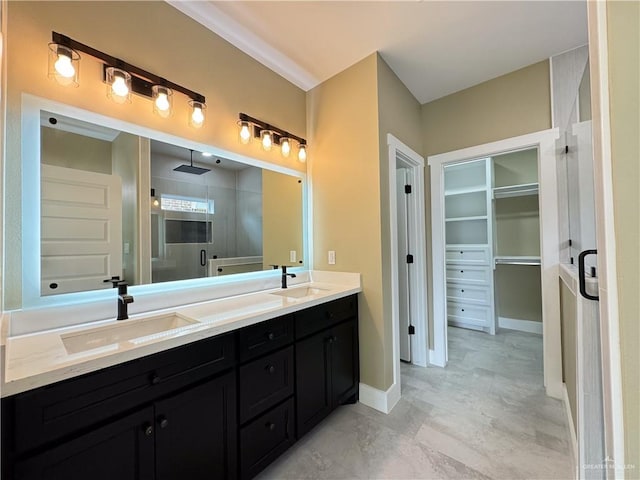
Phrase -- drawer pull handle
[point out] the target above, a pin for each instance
(147, 429)
(270, 425)
(271, 335)
(329, 340)
(270, 369)
(163, 422)
(155, 379)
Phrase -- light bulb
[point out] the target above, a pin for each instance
(302, 153)
(267, 140)
(245, 132)
(156, 202)
(162, 102)
(119, 86)
(285, 146)
(64, 66)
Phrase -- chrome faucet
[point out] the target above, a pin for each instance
(285, 275)
(124, 299)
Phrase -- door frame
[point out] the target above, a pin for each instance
(398, 151)
(545, 142)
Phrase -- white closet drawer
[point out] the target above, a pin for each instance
(465, 313)
(469, 274)
(468, 255)
(468, 293)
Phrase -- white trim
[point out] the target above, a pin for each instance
(378, 399)
(210, 16)
(548, 198)
(605, 231)
(418, 306)
(572, 431)
(520, 325)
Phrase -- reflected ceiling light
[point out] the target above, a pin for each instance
(285, 146)
(64, 64)
(162, 100)
(118, 85)
(196, 119)
(270, 135)
(206, 154)
(122, 78)
(302, 152)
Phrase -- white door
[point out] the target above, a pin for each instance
(403, 267)
(81, 230)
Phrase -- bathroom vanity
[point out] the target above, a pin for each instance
(222, 406)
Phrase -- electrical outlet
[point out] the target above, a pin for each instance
(292, 256)
(332, 257)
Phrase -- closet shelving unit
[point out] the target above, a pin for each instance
(468, 237)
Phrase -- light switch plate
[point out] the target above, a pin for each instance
(332, 257)
(292, 256)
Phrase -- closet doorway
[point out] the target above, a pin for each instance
(495, 243)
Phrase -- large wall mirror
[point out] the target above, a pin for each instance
(112, 199)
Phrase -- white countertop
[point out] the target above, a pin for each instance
(37, 359)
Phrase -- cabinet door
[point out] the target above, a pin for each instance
(313, 381)
(344, 362)
(196, 432)
(121, 450)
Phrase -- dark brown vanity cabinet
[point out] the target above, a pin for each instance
(327, 360)
(219, 408)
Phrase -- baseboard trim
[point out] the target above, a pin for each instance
(379, 399)
(520, 325)
(572, 431)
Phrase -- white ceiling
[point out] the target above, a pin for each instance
(435, 47)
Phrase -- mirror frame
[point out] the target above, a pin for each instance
(30, 196)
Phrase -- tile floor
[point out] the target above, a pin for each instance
(485, 416)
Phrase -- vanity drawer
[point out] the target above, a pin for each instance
(265, 337)
(468, 255)
(265, 382)
(471, 314)
(63, 408)
(323, 316)
(266, 438)
(469, 274)
(468, 293)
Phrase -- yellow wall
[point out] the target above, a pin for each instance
(281, 219)
(623, 25)
(158, 38)
(69, 150)
(507, 106)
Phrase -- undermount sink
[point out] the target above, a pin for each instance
(136, 331)
(299, 292)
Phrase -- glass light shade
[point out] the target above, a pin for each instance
(266, 137)
(64, 64)
(302, 153)
(162, 100)
(285, 146)
(118, 85)
(196, 117)
(244, 132)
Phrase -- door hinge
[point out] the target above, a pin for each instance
(566, 149)
(409, 258)
(412, 330)
(407, 189)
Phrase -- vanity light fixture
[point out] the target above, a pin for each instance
(154, 200)
(269, 136)
(122, 78)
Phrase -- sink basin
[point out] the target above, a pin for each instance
(136, 331)
(299, 292)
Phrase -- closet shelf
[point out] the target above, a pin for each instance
(516, 260)
(461, 191)
(516, 190)
(464, 219)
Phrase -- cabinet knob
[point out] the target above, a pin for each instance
(148, 429)
(461, 271)
(155, 379)
(270, 425)
(462, 309)
(329, 340)
(163, 422)
(462, 290)
(271, 335)
(271, 369)
(334, 339)
(461, 252)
